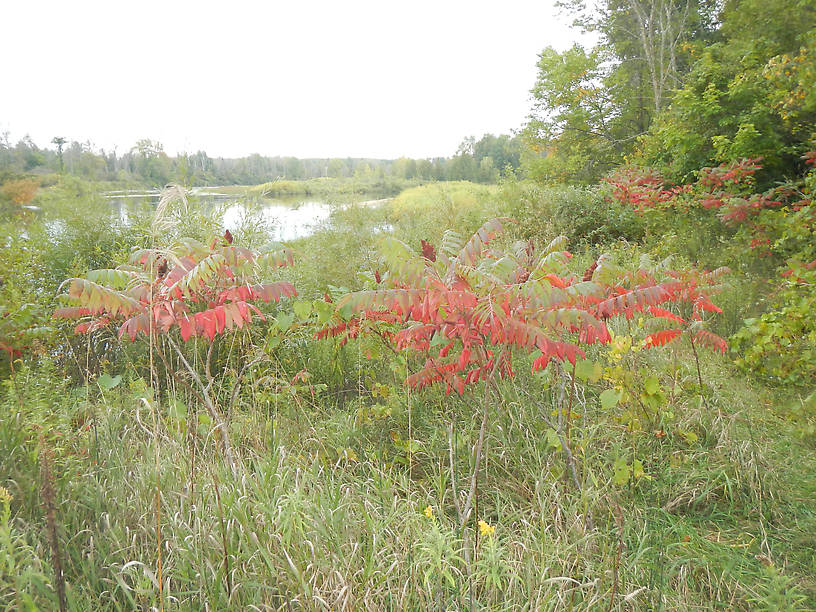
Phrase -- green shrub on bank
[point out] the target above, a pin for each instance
(579, 213)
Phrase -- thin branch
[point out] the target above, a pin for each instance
(210, 406)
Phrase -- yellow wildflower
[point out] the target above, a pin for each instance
(5, 496)
(429, 512)
(486, 529)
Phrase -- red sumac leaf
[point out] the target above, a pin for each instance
(662, 338)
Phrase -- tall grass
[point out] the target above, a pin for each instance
(313, 525)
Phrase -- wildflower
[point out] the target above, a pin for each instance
(429, 512)
(5, 496)
(486, 529)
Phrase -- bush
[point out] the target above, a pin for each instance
(20, 191)
(423, 213)
(579, 213)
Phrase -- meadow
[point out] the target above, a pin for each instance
(635, 471)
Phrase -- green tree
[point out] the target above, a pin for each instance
(591, 105)
(750, 95)
(151, 162)
(577, 128)
(60, 142)
(336, 168)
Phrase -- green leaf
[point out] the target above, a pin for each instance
(324, 311)
(638, 472)
(107, 382)
(346, 311)
(588, 370)
(621, 472)
(553, 442)
(177, 410)
(689, 436)
(284, 321)
(272, 342)
(302, 309)
(609, 399)
(651, 385)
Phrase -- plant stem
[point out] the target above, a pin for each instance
(571, 399)
(210, 406)
(227, 570)
(697, 363)
(48, 496)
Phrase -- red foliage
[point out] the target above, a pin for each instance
(726, 188)
(428, 251)
(204, 291)
(11, 351)
(641, 188)
(663, 337)
(734, 173)
(710, 340)
(695, 287)
(466, 314)
(790, 272)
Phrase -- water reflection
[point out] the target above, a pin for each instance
(287, 222)
(286, 219)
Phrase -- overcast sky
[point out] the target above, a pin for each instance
(311, 79)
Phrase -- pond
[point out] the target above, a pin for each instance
(287, 219)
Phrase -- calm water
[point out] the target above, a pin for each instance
(286, 219)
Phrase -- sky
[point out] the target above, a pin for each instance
(380, 79)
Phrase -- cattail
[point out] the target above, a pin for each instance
(49, 504)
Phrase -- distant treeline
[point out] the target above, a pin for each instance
(483, 160)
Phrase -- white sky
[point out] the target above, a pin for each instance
(305, 78)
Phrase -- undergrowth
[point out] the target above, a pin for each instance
(332, 512)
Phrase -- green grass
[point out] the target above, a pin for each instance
(327, 513)
(325, 187)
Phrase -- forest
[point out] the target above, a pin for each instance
(147, 165)
(568, 368)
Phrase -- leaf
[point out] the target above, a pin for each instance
(665, 314)
(204, 272)
(609, 398)
(473, 249)
(71, 312)
(262, 291)
(711, 341)
(284, 321)
(638, 298)
(559, 243)
(272, 342)
(588, 370)
(302, 309)
(553, 441)
(324, 311)
(177, 410)
(99, 299)
(278, 256)
(620, 472)
(661, 338)
(651, 385)
(638, 472)
(107, 382)
(401, 260)
(115, 279)
(689, 436)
